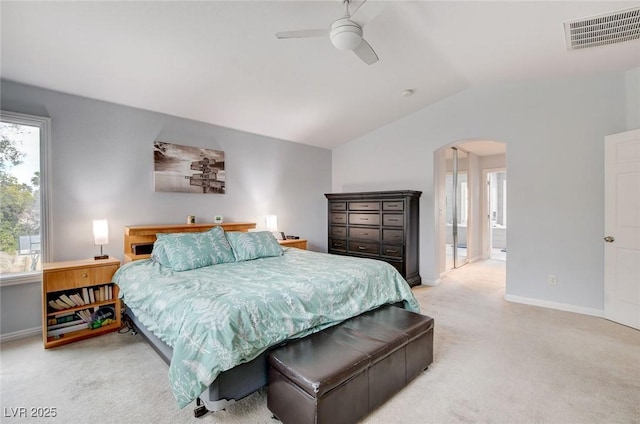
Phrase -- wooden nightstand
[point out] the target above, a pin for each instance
(299, 243)
(76, 290)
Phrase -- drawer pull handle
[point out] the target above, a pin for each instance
(393, 219)
(392, 251)
(338, 244)
(364, 234)
(364, 219)
(85, 275)
(362, 248)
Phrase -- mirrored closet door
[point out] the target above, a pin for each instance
(457, 207)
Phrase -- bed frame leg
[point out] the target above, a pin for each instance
(200, 409)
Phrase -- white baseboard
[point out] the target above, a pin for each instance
(555, 305)
(20, 334)
(431, 283)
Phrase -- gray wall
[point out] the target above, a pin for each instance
(554, 131)
(102, 166)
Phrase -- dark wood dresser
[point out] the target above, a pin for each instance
(380, 225)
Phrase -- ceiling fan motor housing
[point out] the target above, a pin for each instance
(345, 34)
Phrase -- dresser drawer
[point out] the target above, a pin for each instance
(392, 236)
(73, 278)
(338, 232)
(393, 251)
(364, 218)
(338, 206)
(364, 247)
(364, 233)
(339, 245)
(393, 219)
(393, 206)
(338, 218)
(364, 206)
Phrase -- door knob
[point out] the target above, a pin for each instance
(609, 239)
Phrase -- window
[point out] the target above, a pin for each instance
(24, 147)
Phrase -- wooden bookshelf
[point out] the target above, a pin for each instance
(69, 278)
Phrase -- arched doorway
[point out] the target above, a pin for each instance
(470, 212)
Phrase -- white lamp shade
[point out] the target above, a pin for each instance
(100, 231)
(272, 223)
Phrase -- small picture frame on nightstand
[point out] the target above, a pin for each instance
(217, 219)
(279, 235)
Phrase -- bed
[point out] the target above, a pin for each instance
(213, 324)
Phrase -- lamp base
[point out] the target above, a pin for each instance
(101, 257)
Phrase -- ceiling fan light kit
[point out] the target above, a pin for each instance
(345, 34)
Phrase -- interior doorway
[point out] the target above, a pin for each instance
(471, 222)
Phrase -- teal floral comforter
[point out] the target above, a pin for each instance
(219, 316)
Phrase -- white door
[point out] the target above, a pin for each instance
(622, 228)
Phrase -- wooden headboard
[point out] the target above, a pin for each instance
(141, 234)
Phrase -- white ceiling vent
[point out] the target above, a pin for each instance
(601, 30)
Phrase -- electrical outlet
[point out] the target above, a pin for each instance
(553, 281)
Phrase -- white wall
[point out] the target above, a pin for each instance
(102, 167)
(633, 98)
(554, 132)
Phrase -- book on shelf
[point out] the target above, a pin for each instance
(62, 320)
(63, 314)
(75, 298)
(84, 315)
(75, 322)
(55, 305)
(69, 329)
(61, 304)
(86, 296)
(64, 298)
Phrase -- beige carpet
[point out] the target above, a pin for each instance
(495, 362)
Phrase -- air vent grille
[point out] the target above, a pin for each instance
(601, 30)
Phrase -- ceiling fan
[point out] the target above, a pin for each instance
(345, 34)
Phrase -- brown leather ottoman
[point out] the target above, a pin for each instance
(342, 373)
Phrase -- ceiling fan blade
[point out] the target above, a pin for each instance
(366, 53)
(304, 33)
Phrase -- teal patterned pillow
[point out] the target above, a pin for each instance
(253, 245)
(187, 251)
(158, 254)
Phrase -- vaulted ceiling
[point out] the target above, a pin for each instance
(220, 62)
